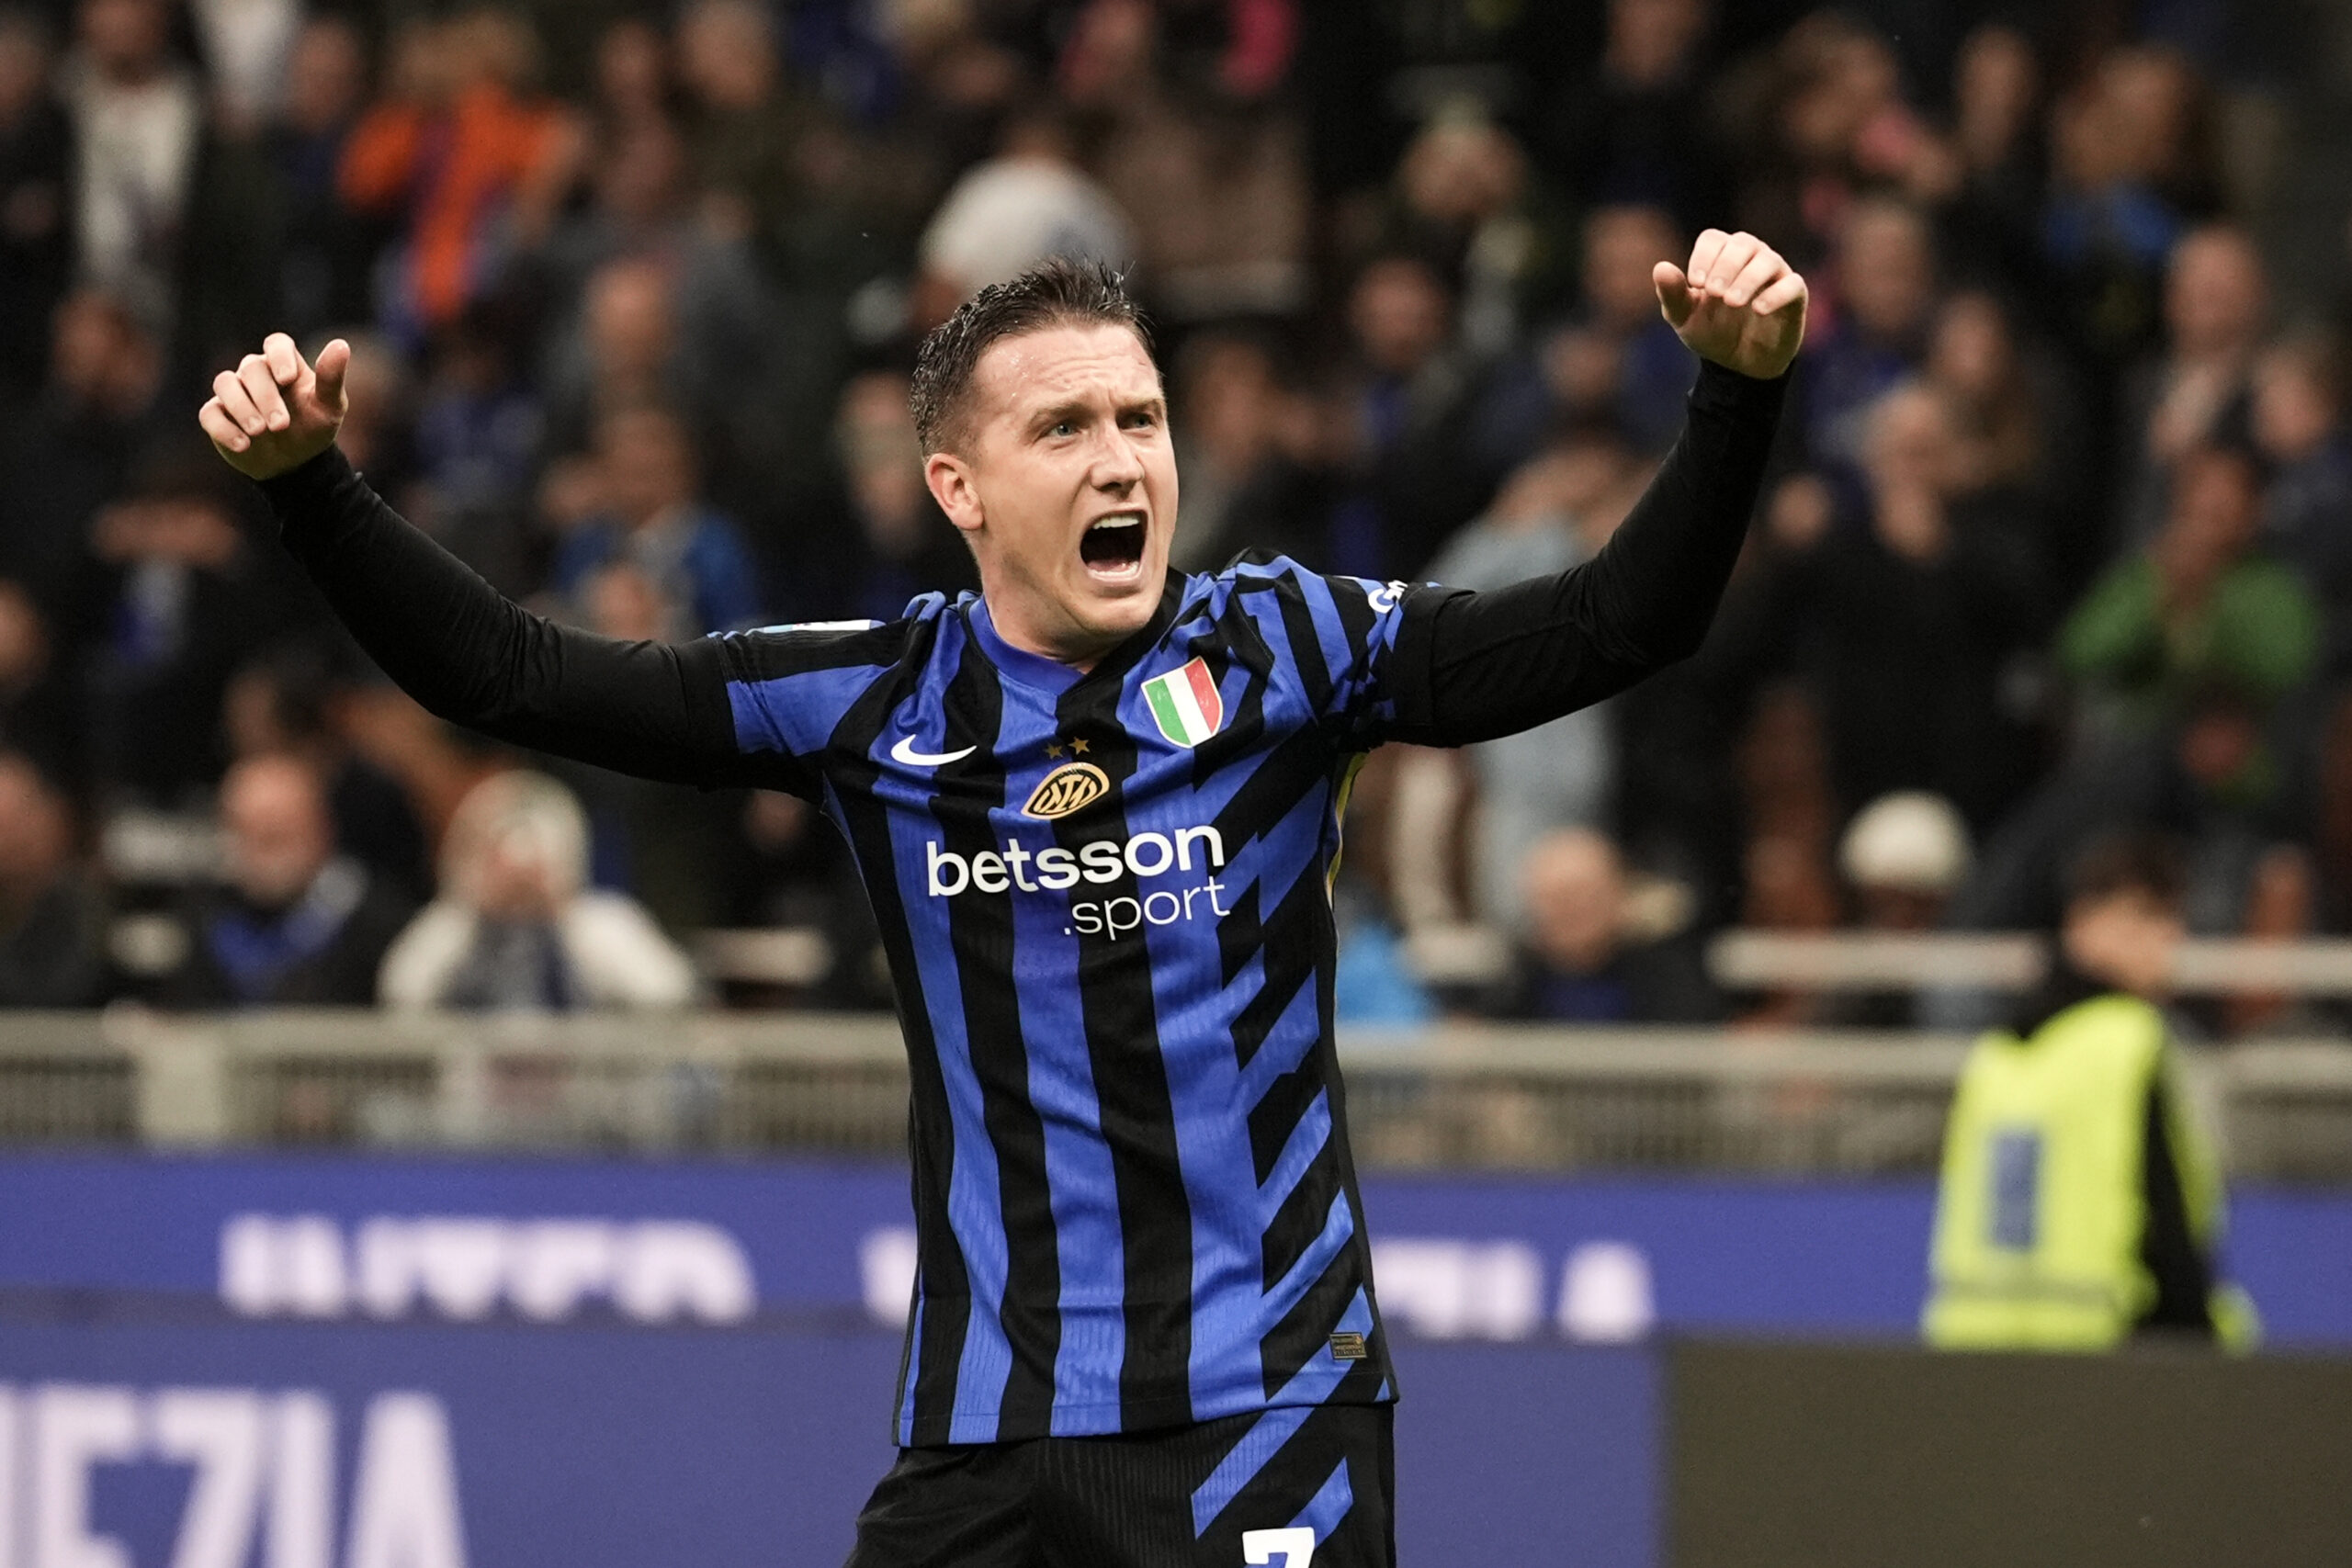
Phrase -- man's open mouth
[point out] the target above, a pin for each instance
(1114, 545)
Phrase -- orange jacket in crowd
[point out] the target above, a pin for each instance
(457, 170)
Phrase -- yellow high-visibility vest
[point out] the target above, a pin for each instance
(2040, 1215)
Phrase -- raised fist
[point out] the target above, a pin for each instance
(1738, 304)
(275, 411)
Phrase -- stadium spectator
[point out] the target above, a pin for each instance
(168, 214)
(514, 928)
(770, 162)
(181, 598)
(2186, 652)
(2020, 431)
(2126, 144)
(639, 202)
(471, 167)
(677, 317)
(1596, 954)
(2216, 304)
(1990, 229)
(1903, 857)
(1032, 200)
(36, 233)
(1636, 127)
(1829, 125)
(1608, 364)
(138, 115)
(649, 203)
(888, 541)
(655, 519)
(1559, 774)
(2297, 425)
(1786, 883)
(1211, 175)
(75, 450)
(283, 705)
(1886, 292)
(958, 80)
(324, 265)
(1465, 198)
(1921, 614)
(476, 435)
(50, 912)
(636, 87)
(2282, 905)
(292, 924)
(2199, 613)
(247, 46)
(38, 718)
(641, 207)
(620, 346)
(1407, 409)
(1246, 448)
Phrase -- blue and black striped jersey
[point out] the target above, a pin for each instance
(1105, 896)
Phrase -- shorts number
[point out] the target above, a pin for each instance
(1293, 1548)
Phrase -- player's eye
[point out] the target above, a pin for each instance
(1063, 427)
(1142, 419)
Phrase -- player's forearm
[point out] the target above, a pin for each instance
(466, 653)
(1472, 666)
(1654, 590)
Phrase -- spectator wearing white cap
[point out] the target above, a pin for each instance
(1903, 857)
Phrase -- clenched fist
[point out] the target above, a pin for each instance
(275, 412)
(1738, 304)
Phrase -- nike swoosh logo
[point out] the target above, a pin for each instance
(904, 751)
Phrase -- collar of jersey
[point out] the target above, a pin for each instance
(1051, 675)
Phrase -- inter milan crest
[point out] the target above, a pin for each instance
(1185, 704)
(1073, 787)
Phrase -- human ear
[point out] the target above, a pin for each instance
(952, 485)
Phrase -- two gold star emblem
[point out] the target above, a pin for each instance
(1076, 749)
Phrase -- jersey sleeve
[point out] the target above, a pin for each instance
(666, 711)
(1339, 636)
(788, 689)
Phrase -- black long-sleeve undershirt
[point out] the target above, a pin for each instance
(468, 655)
(1470, 667)
(1466, 667)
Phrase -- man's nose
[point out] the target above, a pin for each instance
(1118, 467)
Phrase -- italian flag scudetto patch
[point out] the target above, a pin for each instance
(1184, 704)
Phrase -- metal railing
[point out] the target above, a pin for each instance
(1739, 958)
(2007, 961)
(1453, 1097)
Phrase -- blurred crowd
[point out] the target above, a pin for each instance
(2059, 536)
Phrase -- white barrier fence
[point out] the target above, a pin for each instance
(1453, 1097)
(1867, 961)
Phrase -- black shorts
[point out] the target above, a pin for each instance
(1281, 1488)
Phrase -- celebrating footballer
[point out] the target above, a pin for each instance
(1096, 807)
